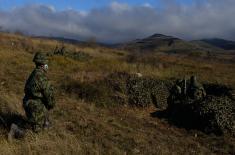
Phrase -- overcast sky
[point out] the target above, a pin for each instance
(119, 21)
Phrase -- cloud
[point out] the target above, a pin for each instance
(119, 7)
(147, 5)
(121, 22)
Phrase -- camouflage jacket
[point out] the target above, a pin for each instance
(196, 86)
(39, 88)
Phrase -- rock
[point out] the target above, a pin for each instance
(139, 75)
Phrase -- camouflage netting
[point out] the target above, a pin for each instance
(219, 90)
(213, 114)
(218, 113)
(123, 88)
(143, 91)
(81, 56)
(138, 91)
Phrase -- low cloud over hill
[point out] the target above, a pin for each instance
(120, 22)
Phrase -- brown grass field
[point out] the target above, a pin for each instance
(85, 128)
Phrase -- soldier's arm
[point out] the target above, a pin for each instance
(48, 93)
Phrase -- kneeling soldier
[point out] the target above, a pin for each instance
(39, 95)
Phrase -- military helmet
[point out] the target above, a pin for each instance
(193, 79)
(194, 82)
(40, 58)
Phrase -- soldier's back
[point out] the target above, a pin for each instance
(34, 82)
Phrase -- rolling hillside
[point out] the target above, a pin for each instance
(98, 126)
(220, 43)
(163, 43)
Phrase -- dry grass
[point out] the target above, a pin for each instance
(84, 128)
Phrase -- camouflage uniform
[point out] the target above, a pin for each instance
(178, 89)
(175, 93)
(39, 97)
(196, 90)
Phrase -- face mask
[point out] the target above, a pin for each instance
(45, 66)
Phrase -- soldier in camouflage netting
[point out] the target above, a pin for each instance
(177, 91)
(39, 96)
(191, 107)
(187, 89)
(196, 90)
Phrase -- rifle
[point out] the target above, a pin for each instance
(185, 86)
(3, 121)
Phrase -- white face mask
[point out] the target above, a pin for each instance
(45, 66)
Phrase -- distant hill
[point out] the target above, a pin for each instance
(150, 43)
(163, 43)
(207, 46)
(62, 39)
(75, 41)
(221, 43)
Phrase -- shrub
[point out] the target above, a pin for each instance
(81, 56)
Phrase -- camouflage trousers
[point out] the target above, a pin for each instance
(36, 113)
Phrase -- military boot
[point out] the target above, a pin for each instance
(47, 124)
(15, 133)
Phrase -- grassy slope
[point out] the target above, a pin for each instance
(80, 127)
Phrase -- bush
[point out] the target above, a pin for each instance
(80, 56)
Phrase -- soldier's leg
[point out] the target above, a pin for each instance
(39, 118)
(47, 122)
(28, 113)
(36, 115)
